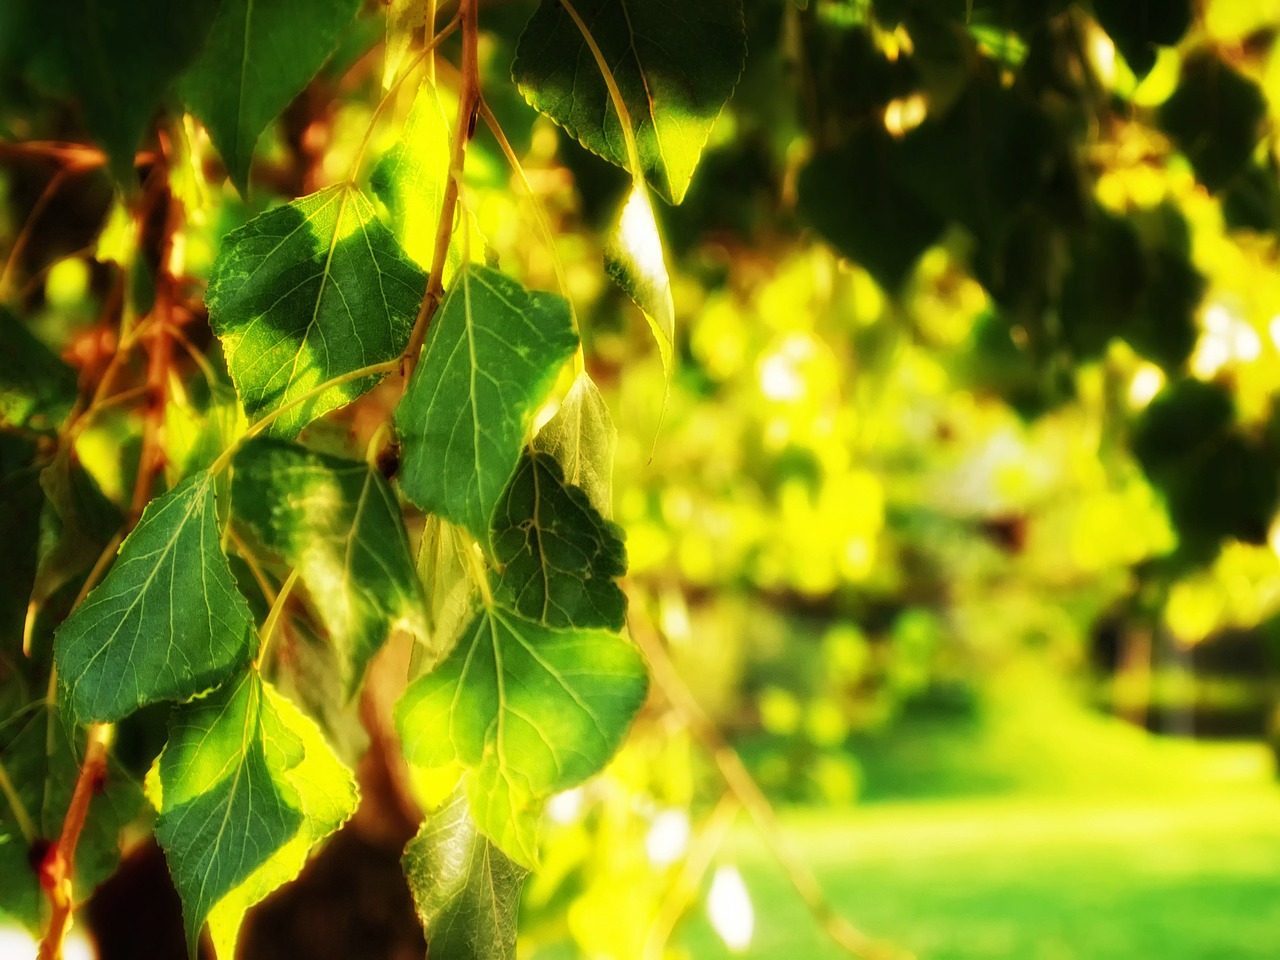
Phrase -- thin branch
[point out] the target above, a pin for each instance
(468, 105)
(373, 370)
(28, 827)
(739, 780)
(20, 241)
(275, 613)
(57, 869)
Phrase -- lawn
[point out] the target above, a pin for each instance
(1029, 878)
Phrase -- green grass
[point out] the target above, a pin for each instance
(1031, 880)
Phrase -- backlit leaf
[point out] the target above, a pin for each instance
(491, 356)
(529, 710)
(307, 292)
(246, 786)
(259, 56)
(338, 524)
(581, 436)
(675, 65)
(404, 18)
(557, 557)
(633, 256)
(467, 892)
(446, 577)
(166, 623)
(411, 177)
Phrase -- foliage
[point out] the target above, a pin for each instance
(964, 347)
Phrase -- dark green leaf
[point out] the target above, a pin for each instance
(581, 436)
(122, 57)
(20, 533)
(1214, 116)
(166, 623)
(530, 711)
(259, 56)
(855, 199)
(1138, 26)
(447, 577)
(557, 558)
(466, 890)
(491, 357)
(307, 292)
(246, 786)
(675, 65)
(338, 524)
(37, 389)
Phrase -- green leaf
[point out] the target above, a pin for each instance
(259, 56)
(20, 533)
(854, 197)
(122, 57)
(339, 525)
(634, 258)
(674, 65)
(40, 762)
(582, 437)
(529, 710)
(404, 19)
(1215, 117)
(308, 292)
(411, 177)
(1139, 26)
(77, 523)
(467, 892)
(166, 623)
(491, 357)
(447, 579)
(557, 558)
(246, 786)
(37, 389)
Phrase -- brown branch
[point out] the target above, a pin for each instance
(743, 786)
(58, 870)
(468, 105)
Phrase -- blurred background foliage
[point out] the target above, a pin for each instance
(959, 516)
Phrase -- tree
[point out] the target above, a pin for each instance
(343, 408)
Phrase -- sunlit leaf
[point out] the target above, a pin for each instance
(246, 786)
(529, 710)
(674, 65)
(557, 558)
(490, 359)
(166, 623)
(466, 890)
(633, 256)
(404, 18)
(338, 524)
(581, 436)
(37, 389)
(259, 56)
(411, 177)
(307, 292)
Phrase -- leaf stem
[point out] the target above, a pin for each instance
(615, 95)
(468, 105)
(390, 95)
(373, 370)
(275, 613)
(20, 814)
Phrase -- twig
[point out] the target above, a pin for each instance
(739, 780)
(20, 241)
(56, 871)
(468, 105)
